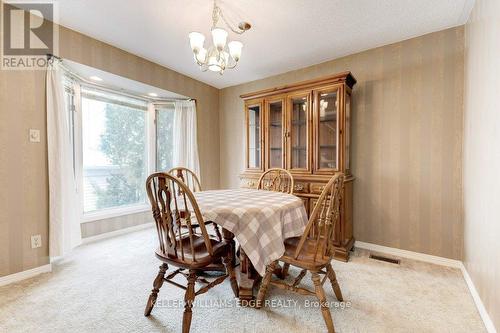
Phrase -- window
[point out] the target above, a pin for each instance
(164, 137)
(114, 150)
(117, 144)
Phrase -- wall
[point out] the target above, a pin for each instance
(111, 224)
(23, 165)
(482, 154)
(407, 140)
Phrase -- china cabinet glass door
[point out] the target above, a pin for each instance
(254, 141)
(275, 133)
(327, 129)
(298, 132)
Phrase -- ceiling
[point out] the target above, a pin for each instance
(285, 34)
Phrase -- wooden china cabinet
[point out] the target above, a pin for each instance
(304, 128)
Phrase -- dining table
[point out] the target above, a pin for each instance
(259, 221)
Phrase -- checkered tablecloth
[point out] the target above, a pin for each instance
(260, 220)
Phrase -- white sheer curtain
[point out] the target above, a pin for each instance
(185, 152)
(64, 224)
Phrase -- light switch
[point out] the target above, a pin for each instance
(34, 135)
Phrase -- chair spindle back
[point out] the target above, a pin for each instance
(173, 206)
(277, 180)
(326, 214)
(188, 177)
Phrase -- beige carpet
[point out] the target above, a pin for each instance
(103, 287)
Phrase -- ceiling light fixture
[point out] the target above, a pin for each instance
(153, 94)
(95, 78)
(221, 55)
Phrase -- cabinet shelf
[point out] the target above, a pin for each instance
(328, 118)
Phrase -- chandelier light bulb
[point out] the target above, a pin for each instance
(235, 49)
(219, 37)
(213, 64)
(196, 41)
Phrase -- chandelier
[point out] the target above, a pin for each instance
(221, 55)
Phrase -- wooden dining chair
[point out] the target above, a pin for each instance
(277, 180)
(191, 180)
(189, 252)
(188, 176)
(313, 251)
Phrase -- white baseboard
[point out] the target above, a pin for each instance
(479, 303)
(488, 323)
(116, 233)
(410, 255)
(8, 279)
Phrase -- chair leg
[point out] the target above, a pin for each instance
(157, 283)
(188, 302)
(217, 232)
(335, 284)
(264, 284)
(229, 265)
(325, 310)
(284, 271)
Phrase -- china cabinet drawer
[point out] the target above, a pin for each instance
(317, 188)
(300, 187)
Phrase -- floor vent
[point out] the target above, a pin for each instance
(389, 260)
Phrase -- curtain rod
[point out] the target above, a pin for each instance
(110, 89)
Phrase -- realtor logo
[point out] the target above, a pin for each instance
(28, 34)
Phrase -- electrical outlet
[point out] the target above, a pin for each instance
(36, 241)
(34, 135)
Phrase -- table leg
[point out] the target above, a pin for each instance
(247, 276)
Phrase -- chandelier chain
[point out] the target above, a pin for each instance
(217, 13)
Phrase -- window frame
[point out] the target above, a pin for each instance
(155, 108)
(151, 156)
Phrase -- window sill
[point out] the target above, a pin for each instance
(114, 212)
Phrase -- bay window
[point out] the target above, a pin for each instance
(121, 140)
